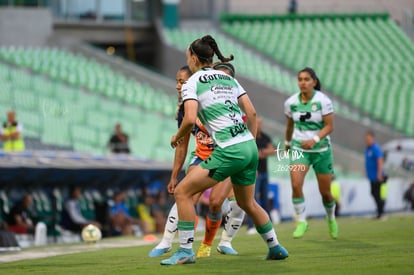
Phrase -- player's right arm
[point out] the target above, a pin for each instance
(288, 132)
(179, 159)
(290, 123)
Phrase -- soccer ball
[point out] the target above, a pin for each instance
(91, 233)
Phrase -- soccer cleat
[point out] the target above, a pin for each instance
(181, 256)
(277, 253)
(158, 252)
(204, 251)
(226, 250)
(333, 229)
(300, 230)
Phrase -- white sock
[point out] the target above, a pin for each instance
(233, 222)
(186, 234)
(330, 209)
(170, 228)
(300, 209)
(268, 234)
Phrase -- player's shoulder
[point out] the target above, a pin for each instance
(292, 99)
(321, 96)
(192, 79)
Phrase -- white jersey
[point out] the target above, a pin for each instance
(217, 94)
(308, 119)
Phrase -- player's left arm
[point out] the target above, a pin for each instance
(326, 130)
(328, 121)
(189, 119)
(247, 107)
(327, 112)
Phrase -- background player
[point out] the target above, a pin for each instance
(309, 122)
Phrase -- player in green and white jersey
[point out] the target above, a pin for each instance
(219, 100)
(309, 122)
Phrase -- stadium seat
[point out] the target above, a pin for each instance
(273, 38)
(358, 57)
(31, 122)
(56, 131)
(78, 71)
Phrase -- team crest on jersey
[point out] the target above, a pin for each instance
(314, 107)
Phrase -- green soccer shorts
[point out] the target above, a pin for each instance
(322, 162)
(238, 161)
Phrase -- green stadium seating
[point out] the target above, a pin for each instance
(32, 124)
(78, 71)
(246, 62)
(360, 58)
(6, 92)
(77, 102)
(56, 131)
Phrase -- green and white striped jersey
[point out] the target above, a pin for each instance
(217, 95)
(308, 119)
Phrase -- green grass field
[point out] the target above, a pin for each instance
(365, 246)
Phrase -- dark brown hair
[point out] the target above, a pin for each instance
(205, 48)
(313, 75)
(227, 66)
(186, 69)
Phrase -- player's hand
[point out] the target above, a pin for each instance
(174, 142)
(308, 144)
(171, 186)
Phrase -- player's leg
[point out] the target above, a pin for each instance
(214, 217)
(244, 188)
(324, 182)
(323, 166)
(297, 177)
(172, 220)
(245, 198)
(251, 230)
(233, 221)
(195, 181)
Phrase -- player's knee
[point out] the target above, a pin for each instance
(248, 206)
(180, 194)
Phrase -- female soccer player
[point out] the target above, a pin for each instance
(204, 147)
(217, 98)
(221, 191)
(309, 122)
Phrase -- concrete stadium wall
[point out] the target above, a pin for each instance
(25, 26)
(169, 59)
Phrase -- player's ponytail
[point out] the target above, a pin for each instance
(205, 48)
(213, 44)
(311, 72)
